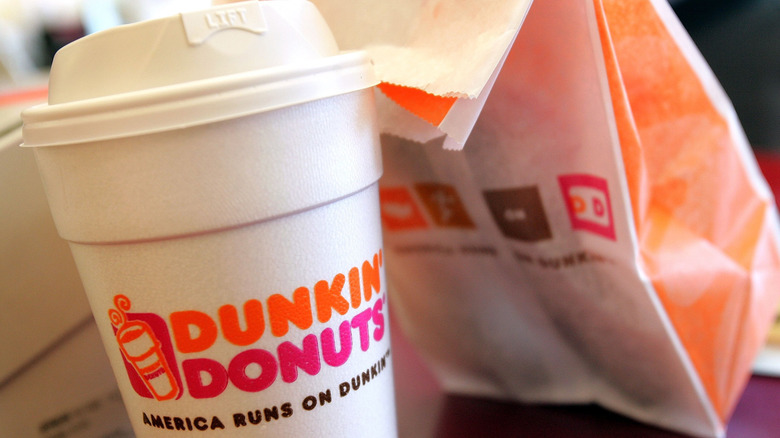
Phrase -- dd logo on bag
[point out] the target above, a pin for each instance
(587, 201)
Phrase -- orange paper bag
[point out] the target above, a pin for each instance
(605, 235)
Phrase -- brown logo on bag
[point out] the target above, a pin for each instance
(587, 201)
(444, 205)
(519, 213)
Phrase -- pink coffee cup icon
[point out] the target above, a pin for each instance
(141, 348)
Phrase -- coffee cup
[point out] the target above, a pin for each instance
(215, 176)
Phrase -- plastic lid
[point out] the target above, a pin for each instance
(194, 68)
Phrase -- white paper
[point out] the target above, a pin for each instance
(448, 48)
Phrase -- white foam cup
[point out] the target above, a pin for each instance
(214, 174)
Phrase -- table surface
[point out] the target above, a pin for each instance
(425, 411)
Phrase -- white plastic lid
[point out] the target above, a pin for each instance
(200, 67)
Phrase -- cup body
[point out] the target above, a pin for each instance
(277, 328)
(235, 270)
(220, 201)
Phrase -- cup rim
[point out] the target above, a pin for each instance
(195, 103)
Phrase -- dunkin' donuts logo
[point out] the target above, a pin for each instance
(168, 356)
(147, 350)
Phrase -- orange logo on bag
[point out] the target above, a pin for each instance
(444, 205)
(587, 201)
(399, 211)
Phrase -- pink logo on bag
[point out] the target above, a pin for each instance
(587, 201)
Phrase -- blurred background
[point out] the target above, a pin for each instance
(31, 31)
(741, 41)
(739, 38)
